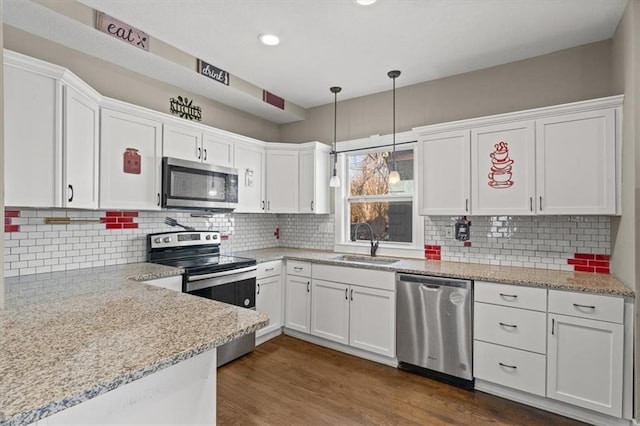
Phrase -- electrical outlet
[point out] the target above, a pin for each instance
(449, 231)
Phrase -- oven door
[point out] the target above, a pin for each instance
(187, 184)
(235, 287)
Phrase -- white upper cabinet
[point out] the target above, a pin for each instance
(445, 173)
(502, 169)
(130, 161)
(181, 142)
(282, 180)
(217, 150)
(51, 136)
(559, 160)
(314, 179)
(576, 163)
(250, 160)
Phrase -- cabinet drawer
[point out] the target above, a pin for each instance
(583, 305)
(511, 295)
(516, 328)
(269, 269)
(302, 269)
(514, 368)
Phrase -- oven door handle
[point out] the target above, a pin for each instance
(221, 274)
(199, 282)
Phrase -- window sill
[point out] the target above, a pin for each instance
(393, 251)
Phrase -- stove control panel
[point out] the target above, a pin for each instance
(184, 238)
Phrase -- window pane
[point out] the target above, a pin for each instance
(368, 173)
(390, 221)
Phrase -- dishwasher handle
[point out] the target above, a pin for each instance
(433, 282)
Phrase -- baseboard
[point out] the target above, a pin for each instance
(553, 406)
(392, 362)
(270, 335)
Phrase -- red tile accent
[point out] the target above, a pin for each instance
(602, 257)
(580, 262)
(12, 213)
(588, 256)
(599, 263)
(436, 257)
(584, 269)
(12, 228)
(125, 220)
(7, 221)
(602, 271)
(114, 214)
(129, 225)
(130, 214)
(467, 243)
(114, 225)
(224, 237)
(108, 219)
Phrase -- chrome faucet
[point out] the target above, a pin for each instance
(374, 246)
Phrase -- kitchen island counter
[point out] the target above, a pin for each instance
(68, 337)
(530, 277)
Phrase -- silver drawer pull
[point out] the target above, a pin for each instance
(507, 365)
(584, 306)
(508, 325)
(514, 296)
(297, 268)
(269, 269)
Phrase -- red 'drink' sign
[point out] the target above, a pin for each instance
(122, 31)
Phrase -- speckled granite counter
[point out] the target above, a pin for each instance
(560, 280)
(67, 337)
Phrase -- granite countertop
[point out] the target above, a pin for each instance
(531, 277)
(67, 337)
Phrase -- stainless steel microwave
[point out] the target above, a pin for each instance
(192, 185)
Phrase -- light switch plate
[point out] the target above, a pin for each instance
(449, 231)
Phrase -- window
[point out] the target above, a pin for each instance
(387, 208)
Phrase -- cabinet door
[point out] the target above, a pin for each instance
(32, 139)
(282, 181)
(314, 182)
(125, 138)
(502, 169)
(216, 150)
(269, 300)
(444, 169)
(250, 162)
(373, 320)
(575, 161)
(584, 363)
(182, 142)
(298, 304)
(330, 311)
(81, 155)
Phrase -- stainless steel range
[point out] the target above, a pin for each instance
(228, 279)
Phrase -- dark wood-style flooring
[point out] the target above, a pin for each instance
(287, 381)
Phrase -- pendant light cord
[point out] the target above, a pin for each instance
(395, 167)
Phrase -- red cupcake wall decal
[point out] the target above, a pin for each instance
(501, 165)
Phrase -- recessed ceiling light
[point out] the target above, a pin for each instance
(269, 39)
(365, 2)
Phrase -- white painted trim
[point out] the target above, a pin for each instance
(531, 114)
(627, 360)
(391, 362)
(547, 404)
(18, 60)
(270, 335)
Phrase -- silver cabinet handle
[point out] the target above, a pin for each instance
(352, 294)
(158, 198)
(531, 203)
(466, 204)
(515, 296)
(71, 196)
(308, 288)
(205, 154)
(346, 294)
(540, 203)
(311, 205)
(269, 269)
(508, 325)
(507, 365)
(584, 306)
(258, 289)
(553, 325)
(297, 268)
(199, 152)
(262, 205)
(268, 205)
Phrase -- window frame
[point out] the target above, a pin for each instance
(342, 199)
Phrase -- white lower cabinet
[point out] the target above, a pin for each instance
(298, 297)
(269, 295)
(372, 319)
(330, 311)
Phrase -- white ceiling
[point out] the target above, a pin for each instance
(337, 42)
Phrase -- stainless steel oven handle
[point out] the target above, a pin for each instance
(198, 284)
(221, 274)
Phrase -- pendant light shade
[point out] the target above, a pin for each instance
(394, 176)
(335, 180)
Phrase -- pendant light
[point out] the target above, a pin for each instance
(394, 176)
(335, 180)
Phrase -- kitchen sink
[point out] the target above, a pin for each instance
(367, 260)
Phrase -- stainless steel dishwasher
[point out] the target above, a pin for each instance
(434, 328)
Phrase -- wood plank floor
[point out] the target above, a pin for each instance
(290, 382)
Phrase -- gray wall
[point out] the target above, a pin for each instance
(570, 75)
(119, 83)
(626, 229)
